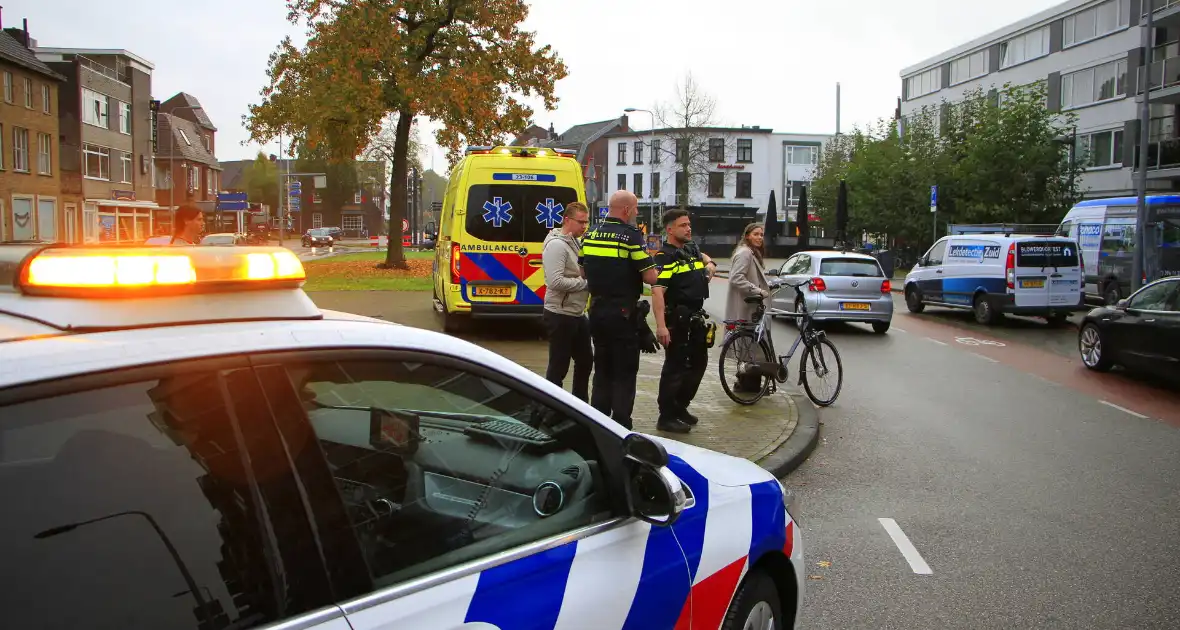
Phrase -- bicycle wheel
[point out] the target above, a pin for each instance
(740, 350)
(821, 363)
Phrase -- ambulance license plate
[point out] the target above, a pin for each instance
(493, 291)
(1039, 283)
(855, 306)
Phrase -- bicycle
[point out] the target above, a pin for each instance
(750, 344)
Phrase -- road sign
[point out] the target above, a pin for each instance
(934, 198)
(295, 185)
(232, 202)
(293, 204)
(405, 225)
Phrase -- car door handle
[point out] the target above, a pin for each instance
(938, 271)
(1149, 321)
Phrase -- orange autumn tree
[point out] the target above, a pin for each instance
(462, 63)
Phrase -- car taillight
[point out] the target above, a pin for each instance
(454, 263)
(817, 285)
(886, 286)
(1010, 266)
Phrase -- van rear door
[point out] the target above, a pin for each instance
(506, 225)
(1048, 273)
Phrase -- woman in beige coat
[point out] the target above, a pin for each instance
(747, 277)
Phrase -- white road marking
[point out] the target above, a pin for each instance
(935, 341)
(1043, 379)
(976, 354)
(906, 547)
(895, 329)
(1124, 409)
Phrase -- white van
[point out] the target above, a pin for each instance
(994, 274)
(1105, 229)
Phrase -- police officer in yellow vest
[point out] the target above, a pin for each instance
(617, 266)
(678, 300)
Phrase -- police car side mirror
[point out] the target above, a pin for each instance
(654, 494)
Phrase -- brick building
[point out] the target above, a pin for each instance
(30, 189)
(589, 140)
(105, 129)
(185, 151)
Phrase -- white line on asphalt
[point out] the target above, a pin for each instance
(983, 357)
(1123, 409)
(935, 341)
(1043, 379)
(906, 547)
(895, 329)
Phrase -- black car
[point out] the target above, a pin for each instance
(318, 237)
(1141, 332)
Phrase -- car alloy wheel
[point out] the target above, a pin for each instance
(1091, 346)
(761, 617)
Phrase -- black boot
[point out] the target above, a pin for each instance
(672, 426)
(689, 419)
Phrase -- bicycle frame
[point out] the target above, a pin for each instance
(763, 333)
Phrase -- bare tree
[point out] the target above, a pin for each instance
(694, 147)
(381, 149)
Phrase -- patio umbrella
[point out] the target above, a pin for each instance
(801, 221)
(772, 227)
(842, 213)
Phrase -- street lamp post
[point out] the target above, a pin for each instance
(651, 155)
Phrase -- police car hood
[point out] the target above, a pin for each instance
(718, 468)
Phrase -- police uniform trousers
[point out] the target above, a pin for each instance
(685, 361)
(616, 360)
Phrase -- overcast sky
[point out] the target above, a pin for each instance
(773, 63)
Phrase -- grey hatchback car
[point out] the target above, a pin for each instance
(841, 286)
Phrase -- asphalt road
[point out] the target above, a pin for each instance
(1036, 494)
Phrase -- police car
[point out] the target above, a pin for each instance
(186, 441)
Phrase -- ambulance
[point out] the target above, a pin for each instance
(500, 205)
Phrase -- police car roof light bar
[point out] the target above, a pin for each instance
(103, 272)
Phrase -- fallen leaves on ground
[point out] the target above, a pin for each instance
(823, 563)
(367, 269)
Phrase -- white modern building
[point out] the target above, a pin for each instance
(1088, 54)
(745, 165)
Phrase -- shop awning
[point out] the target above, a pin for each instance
(151, 205)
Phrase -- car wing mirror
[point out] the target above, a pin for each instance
(1122, 304)
(772, 272)
(654, 493)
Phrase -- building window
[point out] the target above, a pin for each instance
(622, 182)
(95, 109)
(655, 186)
(29, 93)
(1094, 22)
(20, 149)
(802, 155)
(98, 161)
(622, 153)
(1, 147)
(681, 185)
(716, 149)
(209, 181)
(125, 118)
(745, 151)
(208, 142)
(716, 184)
(353, 222)
(655, 151)
(184, 136)
(638, 187)
(317, 220)
(1092, 85)
(923, 84)
(1102, 148)
(125, 159)
(46, 99)
(7, 87)
(44, 154)
(637, 150)
(682, 150)
(969, 67)
(1027, 47)
(745, 187)
(194, 178)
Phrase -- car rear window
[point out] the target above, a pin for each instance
(516, 213)
(1046, 254)
(857, 267)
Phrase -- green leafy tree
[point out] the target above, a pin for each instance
(261, 181)
(463, 63)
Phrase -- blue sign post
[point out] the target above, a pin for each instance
(232, 202)
(934, 209)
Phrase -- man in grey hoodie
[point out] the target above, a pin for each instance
(566, 295)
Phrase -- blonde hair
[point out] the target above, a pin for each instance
(574, 207)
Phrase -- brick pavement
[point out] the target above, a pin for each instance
(751, 432)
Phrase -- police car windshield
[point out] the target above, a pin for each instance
(1046, 253)
(516, 213)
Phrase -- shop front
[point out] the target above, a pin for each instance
(119, 222)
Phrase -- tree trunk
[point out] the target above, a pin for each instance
(395, 257)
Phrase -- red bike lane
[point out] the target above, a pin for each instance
(1116, 389)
